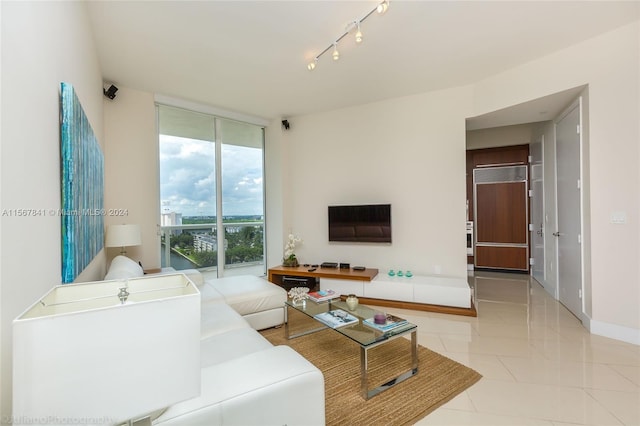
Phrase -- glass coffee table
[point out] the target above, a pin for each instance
(367, 337)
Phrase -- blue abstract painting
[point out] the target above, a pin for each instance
(82, 187)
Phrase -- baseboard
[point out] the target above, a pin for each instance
(615, 331)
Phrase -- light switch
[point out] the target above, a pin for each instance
(618, 217)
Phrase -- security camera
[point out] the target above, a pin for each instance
(110, 92)
(285, 124)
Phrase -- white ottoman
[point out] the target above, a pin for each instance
(260, 302)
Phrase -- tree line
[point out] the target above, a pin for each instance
(246, 245)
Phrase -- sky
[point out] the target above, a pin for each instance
(187, 178)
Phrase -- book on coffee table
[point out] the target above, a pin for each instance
(323, 295)
(336, 318)
(391, 322)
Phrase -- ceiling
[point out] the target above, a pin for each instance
(251, 56)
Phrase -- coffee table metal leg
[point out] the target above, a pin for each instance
(363, 373)
(287, 332)
(414, 351)
(286, 321)
(366, 393)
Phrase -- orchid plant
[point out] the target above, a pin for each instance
(289, 250)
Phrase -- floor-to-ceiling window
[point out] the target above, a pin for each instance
(211, 191)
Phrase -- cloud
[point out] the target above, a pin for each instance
(187, 178)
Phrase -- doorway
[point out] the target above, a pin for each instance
(544, 124)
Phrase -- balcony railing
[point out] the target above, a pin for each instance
(196, 246)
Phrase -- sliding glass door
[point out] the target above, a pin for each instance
(211, 192)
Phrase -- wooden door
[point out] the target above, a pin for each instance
(501, 218)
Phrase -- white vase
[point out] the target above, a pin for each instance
(352, 302)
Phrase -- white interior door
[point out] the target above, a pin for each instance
(537, 210)
(568, 233)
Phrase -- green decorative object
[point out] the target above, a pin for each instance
(290, 261)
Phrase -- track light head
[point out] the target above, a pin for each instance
(336, 54)
(382, 7)
(312, 65)
(358, 33)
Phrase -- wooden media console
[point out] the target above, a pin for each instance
(439, 294)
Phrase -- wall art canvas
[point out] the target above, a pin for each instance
(82, 187)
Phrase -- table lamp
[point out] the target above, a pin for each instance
(107, 352)
(123, 236)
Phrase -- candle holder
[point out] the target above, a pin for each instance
(380, 318)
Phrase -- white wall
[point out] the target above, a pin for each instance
(43, 44)
(131, 171)
(409, 152)
(520, 134)
(609, 65)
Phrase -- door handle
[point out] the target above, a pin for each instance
(556, 234)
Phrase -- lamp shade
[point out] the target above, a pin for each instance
(123, 236)
(83, 356)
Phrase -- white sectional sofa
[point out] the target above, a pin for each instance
(245, 379)
(260, 302)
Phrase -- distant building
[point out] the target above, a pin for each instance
(205, 243)
(232, 229)
(172, 219)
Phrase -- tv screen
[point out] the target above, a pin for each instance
(363, 224)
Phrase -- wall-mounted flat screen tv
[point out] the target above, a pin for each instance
(362, 223)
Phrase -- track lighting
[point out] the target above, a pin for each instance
(381, 8)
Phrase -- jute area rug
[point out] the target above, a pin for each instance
(438, 380)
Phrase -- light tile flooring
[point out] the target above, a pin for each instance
(540, 366)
